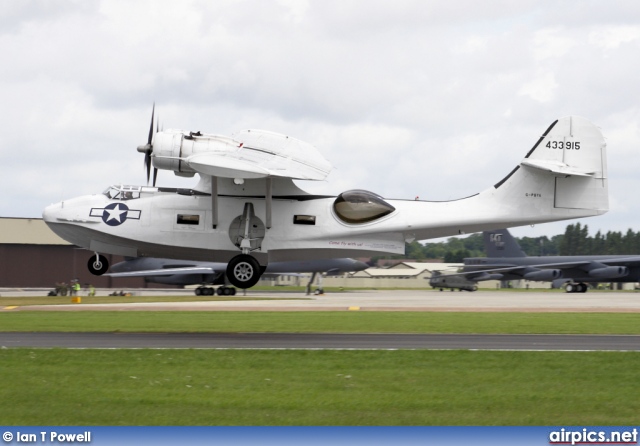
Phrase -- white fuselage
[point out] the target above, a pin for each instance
(266, 215)
(165, 223)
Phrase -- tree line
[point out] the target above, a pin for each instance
(575, 241)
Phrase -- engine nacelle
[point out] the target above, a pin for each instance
(543, 275)
(609, 272)
(171, 145)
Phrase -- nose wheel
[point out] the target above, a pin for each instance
(243, 271)
(98, 265)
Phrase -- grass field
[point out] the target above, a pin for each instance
(297, 387)
(213, 387)
(322, 322)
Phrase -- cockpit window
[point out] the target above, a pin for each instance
(360, 206)
(122, 192)
(112, 193)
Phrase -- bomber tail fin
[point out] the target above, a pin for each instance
(500, 243)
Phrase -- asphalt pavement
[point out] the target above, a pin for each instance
(372, 300)
(318, 341)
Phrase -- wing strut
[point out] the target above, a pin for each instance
(268, 199)
(214, 201)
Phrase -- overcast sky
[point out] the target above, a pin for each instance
(436, 99)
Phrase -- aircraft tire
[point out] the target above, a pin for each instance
(198, 291)
(98, 266)
(243, 271)
(570, 288)
(225, 291)
(582, 288)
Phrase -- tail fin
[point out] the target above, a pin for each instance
(563, 176)
(500, 243)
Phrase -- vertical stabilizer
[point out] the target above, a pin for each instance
(565, 174)
(500, 243)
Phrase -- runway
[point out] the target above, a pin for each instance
(312, 341)
(375, 300)
(369, 300)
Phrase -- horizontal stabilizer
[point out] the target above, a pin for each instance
(555, 167)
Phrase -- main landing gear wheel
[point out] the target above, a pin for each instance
(204, 291)
(243, 271)
(98, 265)
(226, 291)
(576, 288)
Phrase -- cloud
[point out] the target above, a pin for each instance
(541, 89)
(406, 98)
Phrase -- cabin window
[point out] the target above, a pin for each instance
(186, 219)
(361, 206)
(304, 219)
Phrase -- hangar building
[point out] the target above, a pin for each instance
(32, 256)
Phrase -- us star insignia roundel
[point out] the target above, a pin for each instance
(115, 214)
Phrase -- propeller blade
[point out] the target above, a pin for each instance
(147, 164)
(155, 176)
(151, 127)
(147, 149)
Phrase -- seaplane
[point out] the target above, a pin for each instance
(247, 212)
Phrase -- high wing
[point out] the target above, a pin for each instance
(167, 271)
(248, 154)
(152, 267)
(624, 261)
(189, 270)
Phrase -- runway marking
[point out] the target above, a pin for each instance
(12, 307)
(527, 350)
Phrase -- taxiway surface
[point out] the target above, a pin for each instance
(376, 300)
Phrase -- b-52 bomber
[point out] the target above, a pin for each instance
(507, 261)
(246, 210)
(185, 272)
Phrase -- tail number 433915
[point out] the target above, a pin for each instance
(567, 145)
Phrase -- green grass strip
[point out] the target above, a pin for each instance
(322, 321)
(250, 387)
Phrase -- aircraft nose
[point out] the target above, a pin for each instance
(50, 212)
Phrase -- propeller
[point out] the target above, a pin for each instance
(147, 149)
